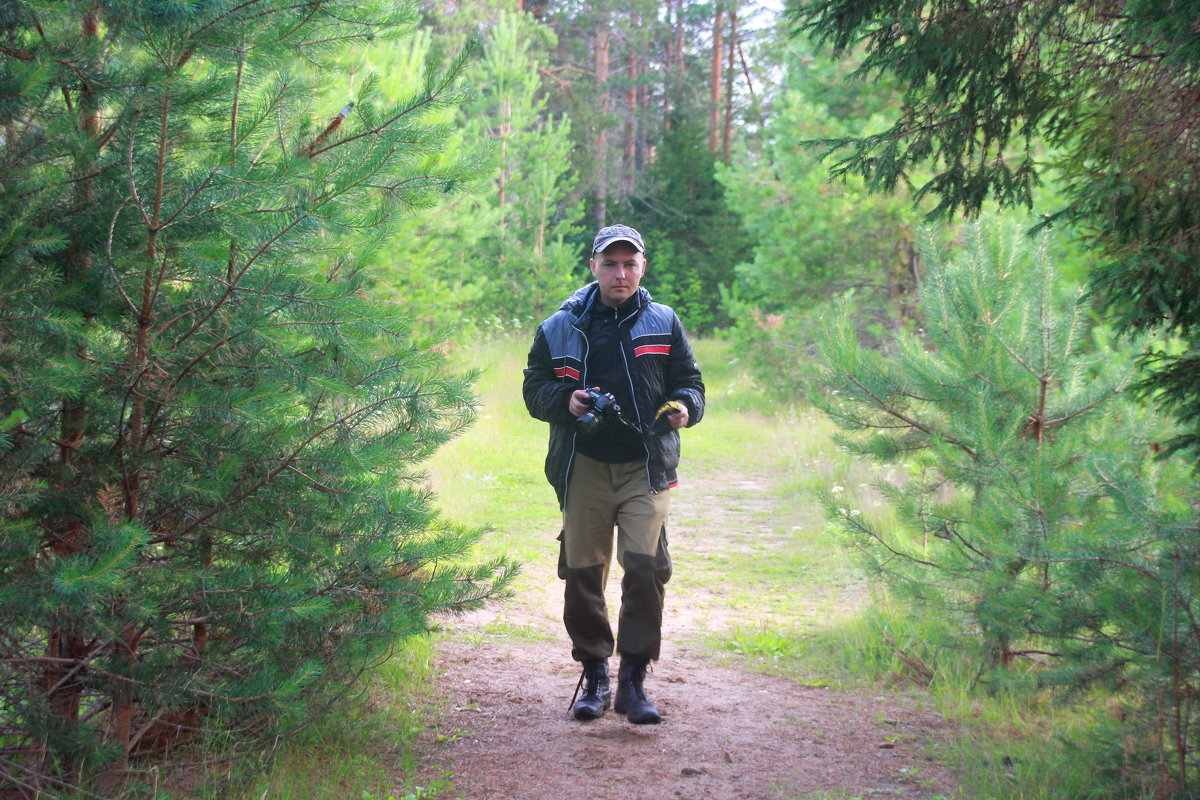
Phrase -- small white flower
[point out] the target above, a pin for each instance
(837, 489)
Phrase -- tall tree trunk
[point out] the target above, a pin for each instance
(679, 38)
(669, 45)
(642, 113)
(762, 118)
(502, 180)
(714, 98)
(631, 116)
(726, 128)
(601, 72)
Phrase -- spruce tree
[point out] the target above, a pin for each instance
(211, 506)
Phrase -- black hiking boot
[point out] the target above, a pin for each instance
(631, 697)
(596, 693)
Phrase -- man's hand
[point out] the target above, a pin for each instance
(679, 419)
(578, 404)
(676, 414)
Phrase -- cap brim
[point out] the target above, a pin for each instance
(607, 243)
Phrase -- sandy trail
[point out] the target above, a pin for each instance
(728, 733)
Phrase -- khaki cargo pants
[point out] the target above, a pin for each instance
(600, 498)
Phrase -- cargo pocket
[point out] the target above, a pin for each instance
(662, 562)
(562, 557)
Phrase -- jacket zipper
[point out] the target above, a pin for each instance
(633, 393)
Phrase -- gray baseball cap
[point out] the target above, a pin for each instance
(606, 237)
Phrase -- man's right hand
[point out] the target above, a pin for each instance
(578, 404)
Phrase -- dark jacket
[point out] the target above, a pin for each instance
(659, 367)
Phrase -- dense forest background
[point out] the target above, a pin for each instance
(240, 239)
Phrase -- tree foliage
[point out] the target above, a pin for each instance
(999, 95)
(1025, 502)
(815, 240)
(694, 239)
(501, 254)
(209, 439)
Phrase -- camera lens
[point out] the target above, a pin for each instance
(588, 422)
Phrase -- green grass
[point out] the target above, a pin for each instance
(1015, 742)
(493, 476)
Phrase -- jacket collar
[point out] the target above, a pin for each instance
(580, 303)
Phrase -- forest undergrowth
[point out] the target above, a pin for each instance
(794, 606)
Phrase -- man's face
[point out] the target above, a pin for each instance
(619, 271)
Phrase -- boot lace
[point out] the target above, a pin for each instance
(592, 675)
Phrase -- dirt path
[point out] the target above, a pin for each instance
(728, 733)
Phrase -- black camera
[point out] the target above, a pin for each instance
(603, 406)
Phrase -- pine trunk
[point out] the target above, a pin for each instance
(671, 59)
(729, 68)
(502, 180)
(601, 71)
(631, 121)
(714, 97)
(640, 116)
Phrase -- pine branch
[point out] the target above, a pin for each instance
(882, 406)
(315, 150)
(285, 462)
(263, 248)
(311, 149)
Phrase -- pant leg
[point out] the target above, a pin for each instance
(588, 521)
(642, 553)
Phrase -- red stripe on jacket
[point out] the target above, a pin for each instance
(652, 350)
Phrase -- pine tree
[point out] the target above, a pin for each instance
(500, 254)
(533, 179)
(993, 413)
(694, 240)
(211, 507)
(1027, 502)
(815, 239)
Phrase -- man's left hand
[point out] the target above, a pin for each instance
(675, 412)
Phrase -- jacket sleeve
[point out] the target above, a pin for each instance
(683, 375)
(546, 396)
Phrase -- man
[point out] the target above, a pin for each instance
(618, 471)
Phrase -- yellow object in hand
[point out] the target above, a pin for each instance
(668, 408)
